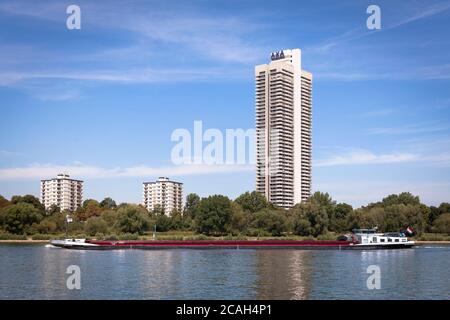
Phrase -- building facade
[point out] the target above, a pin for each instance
(283, 102)
(62, 191)
(165, 193)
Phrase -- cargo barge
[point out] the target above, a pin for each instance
(363, 239)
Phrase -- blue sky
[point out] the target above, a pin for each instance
(101, 103)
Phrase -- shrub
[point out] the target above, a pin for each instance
(10, 236)
(129, 236)
(95, 225)
(43, 237)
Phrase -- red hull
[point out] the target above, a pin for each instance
(222, 243)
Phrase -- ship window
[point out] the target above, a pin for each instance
(389, 240)
(374, 239)
(382, 240)
(397, 240)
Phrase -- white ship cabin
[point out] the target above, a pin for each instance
(370, 236)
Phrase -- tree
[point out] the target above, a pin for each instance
(176, 220)
(214, 215)
(322, 199)
(252, 202)
(270, 220)
(54, 209)
(18, 218)
(95, 225)
(442, 224)
(238, 218)
(3, 202)
(302, 227)
(404, 198)
(158, 210)
(338, 221)
(132, 219)
(108, 203)
(444, 208)
(90, 208)
(30, 199)
(191, 207)
(163, 223)
(315, 212)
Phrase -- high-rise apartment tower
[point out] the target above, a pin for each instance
(283, 129)
(63, 192)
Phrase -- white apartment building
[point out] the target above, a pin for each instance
(62, 191)
(164, 192)
(283, 101)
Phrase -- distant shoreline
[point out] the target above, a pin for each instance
(30, 241)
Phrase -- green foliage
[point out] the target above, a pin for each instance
(442, 224)
(18, 218)
(30, 200)
(191, 207)
(158, 210)
(272, 221)
(95, 225)
(302, 227)
(132, 219)
(238, 219)
(252, 201)
(404, 198)
(214, 215)
(9, 236)
(89, 208)
(129, 236)
(54, 209)
(163, 223)
(315, 212)
(3, 202)
(39, 236)
(108, 203)
(249, 214)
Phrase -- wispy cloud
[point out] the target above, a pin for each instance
(421, 154)
(364, 157)
(82, 171)
(419, 13)
(410, 129)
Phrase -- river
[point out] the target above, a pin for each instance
(39, 272)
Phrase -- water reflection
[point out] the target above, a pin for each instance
(283, 274)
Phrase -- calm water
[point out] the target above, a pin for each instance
(38, 272)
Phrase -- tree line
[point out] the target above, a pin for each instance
(250, 214)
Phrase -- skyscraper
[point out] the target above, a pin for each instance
(283, 129)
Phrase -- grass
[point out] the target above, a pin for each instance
(433, 237)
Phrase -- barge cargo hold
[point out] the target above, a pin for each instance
(224, 244)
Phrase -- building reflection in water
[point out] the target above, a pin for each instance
(283, 274)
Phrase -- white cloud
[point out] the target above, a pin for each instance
(81, 171)
(364, 157)
(409, 129)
